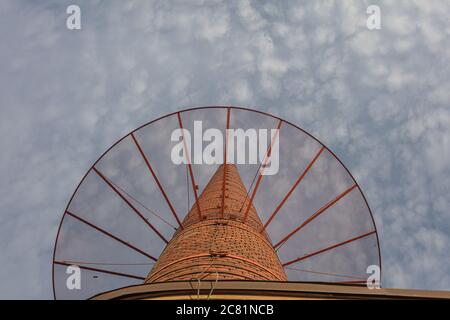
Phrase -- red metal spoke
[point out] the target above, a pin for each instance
(120, 274)
(225, 161)
(150, 168)
(111, 235)
(309, 255)
(327, 273)
(129, 204)
(300, 178)
(315, 215)
(351, 282)
(188, 160)
(71, 262)
(260, 175)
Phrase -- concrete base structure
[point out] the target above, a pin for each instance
(260, 290)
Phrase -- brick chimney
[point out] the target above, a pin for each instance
(220, 238)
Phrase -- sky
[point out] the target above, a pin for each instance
(378, 98)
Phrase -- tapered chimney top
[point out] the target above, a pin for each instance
(221, 238)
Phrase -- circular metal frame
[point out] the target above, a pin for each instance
(203, 108)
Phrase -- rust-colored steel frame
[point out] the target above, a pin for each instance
(309, 255)
(200, 255)
(150, 168)
(129, 245)
(331, 274)
(177, 113)
(362, 282)
(208, 273)
(208, 264)
(120, 274)
(300, 178)
(188, 161)
(314, 216)
(129, 204)
(263, 167)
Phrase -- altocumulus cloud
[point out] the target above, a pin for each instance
(378, 98)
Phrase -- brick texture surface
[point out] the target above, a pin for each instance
(219, 243)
